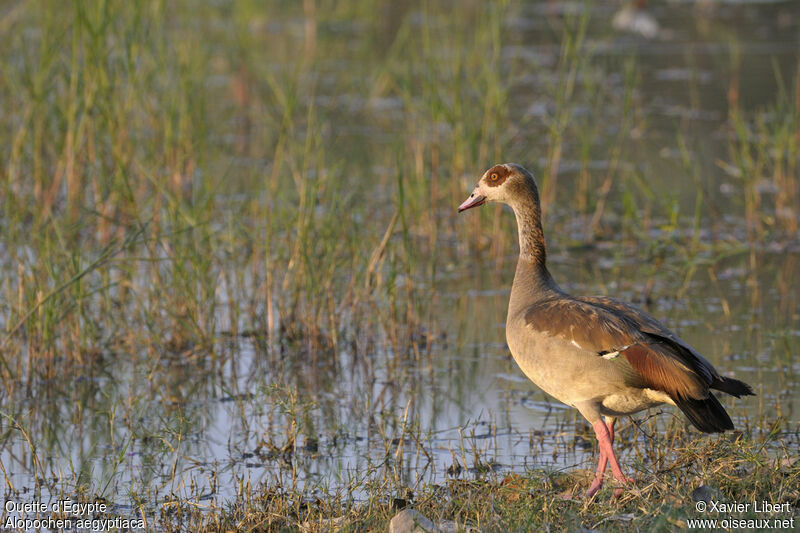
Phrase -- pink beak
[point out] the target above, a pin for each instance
(474, 200)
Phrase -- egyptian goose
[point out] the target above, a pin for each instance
(602, 356)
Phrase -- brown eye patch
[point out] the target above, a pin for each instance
(497, 175)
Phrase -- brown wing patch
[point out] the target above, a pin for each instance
(655, 332)
(589, 327)
(605, 330)
(661, 371)
(496, 175)
(630, 311)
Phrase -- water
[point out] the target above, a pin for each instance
(303, 415)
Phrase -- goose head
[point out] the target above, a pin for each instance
(504, 183)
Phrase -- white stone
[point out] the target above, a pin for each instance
(410, 521)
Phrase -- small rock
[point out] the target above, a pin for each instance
(704, 493)
(410, 521)
(447, 526)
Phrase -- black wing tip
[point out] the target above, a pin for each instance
(707, 415)
(734, 387)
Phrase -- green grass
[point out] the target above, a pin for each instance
(734, 469)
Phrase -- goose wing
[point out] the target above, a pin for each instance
(610, 328)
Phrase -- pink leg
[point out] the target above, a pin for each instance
(605, 438)
(598, 475)
(601, 464)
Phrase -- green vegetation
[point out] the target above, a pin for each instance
(730, 469)
(230, 255)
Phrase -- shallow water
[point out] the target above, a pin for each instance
(295, 414)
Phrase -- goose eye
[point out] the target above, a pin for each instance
(494, 176)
